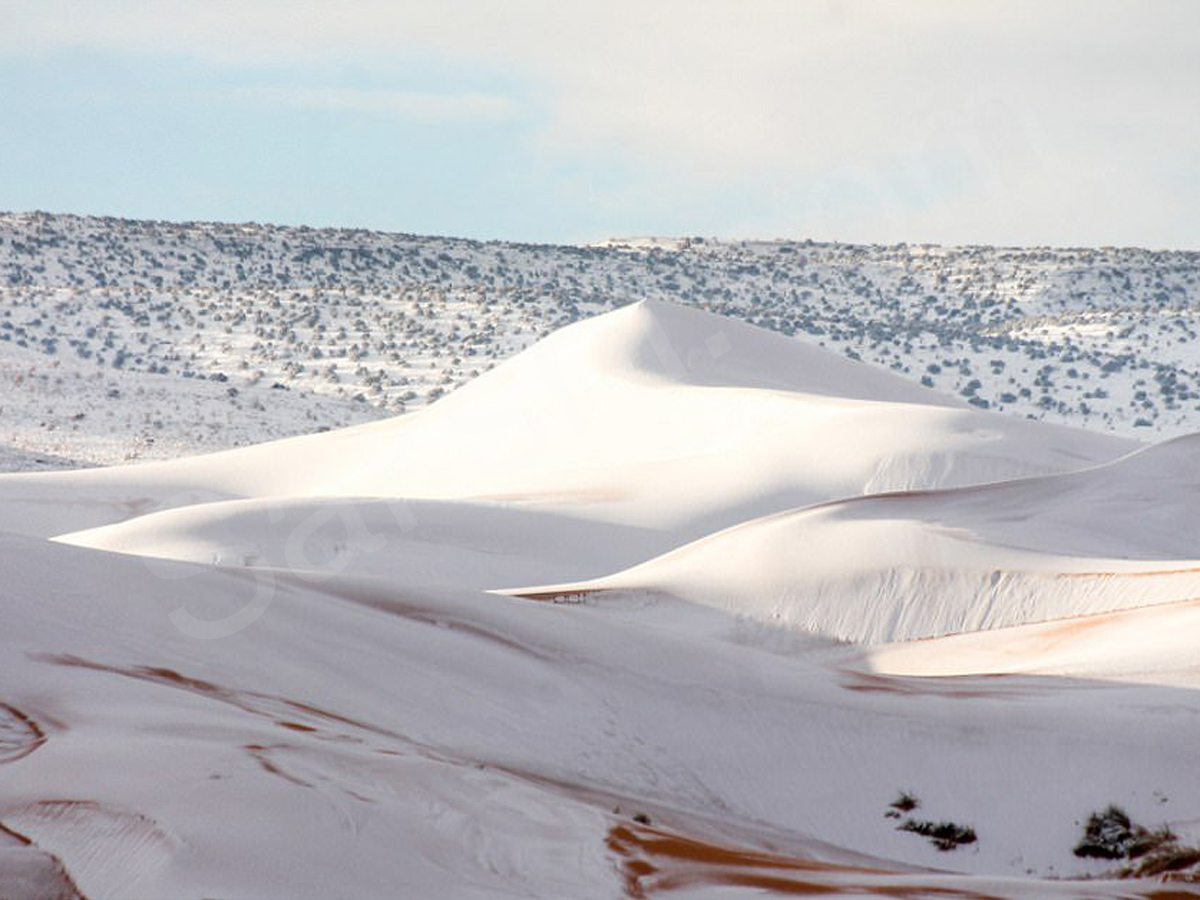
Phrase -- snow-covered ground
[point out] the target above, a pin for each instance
(376, 324)
(667, 605)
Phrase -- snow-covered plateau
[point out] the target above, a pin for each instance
(661, 598)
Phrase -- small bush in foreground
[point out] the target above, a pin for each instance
(1111, 834)
(905, 802)
(943, 835)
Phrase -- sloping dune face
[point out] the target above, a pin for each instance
(295, 670)
(920, 564)
(654, 417)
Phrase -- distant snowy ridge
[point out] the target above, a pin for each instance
(355, 324)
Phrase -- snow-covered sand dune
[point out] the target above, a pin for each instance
(655, 415)
(898, 566)
(287, 670)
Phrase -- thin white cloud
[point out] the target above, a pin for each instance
(420, 105)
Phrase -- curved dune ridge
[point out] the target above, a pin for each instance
(918, 564)
(473, 544)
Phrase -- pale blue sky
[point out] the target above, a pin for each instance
(1069, 123)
